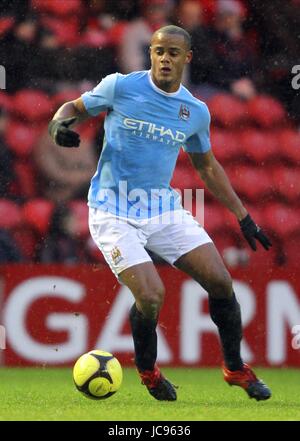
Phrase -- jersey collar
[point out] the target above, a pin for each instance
(157, 89)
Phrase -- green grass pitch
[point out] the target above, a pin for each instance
(49, 394)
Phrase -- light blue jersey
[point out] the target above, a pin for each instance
(144, 129)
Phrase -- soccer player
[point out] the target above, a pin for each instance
(150, 115)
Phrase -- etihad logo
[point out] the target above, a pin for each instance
(153, 131)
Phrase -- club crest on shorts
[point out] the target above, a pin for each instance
(116, 255)
(184, 112)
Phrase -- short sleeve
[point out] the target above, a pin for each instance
(199, 142)
(101, 97)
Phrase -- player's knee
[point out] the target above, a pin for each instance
(150, 300)
(221, 286)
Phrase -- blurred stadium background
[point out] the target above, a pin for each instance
(57, 295)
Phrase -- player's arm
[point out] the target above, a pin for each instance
(217, 182)
(92, 103)
(69, 114)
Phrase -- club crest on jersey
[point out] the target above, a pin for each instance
(116, 255)
(184, 112)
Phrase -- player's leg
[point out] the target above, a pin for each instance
(186, 245)
(146, 286)
(122, 245)
(205, 265)
(148, 290)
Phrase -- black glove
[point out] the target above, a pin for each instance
(61, 134)
(251, 231)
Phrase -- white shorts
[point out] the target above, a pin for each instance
(122, 241)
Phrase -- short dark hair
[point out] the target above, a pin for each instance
(175, 30)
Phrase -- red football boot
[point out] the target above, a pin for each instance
(246, 379)
(158, 386)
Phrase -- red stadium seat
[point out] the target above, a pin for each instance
(66, 31)
(32, 105)
(64, 96)
(282, 219)
(80, 212)
(10, 214)
(116, 32)
(37, 214)
(266, 111)
(94, 252)
(227, 110)
(225, 240)
(227, 243)
(95, 38)
(291, 249)
(26, 180)
(287, 183)
(251, 182)
(6, 23)
(289, 141)
(258, 145)
(260, 258)
(225, 145)
(88, 129)
(218, 219)
(185, 177)
(21, 137)
(213, 218)
(183, 158)
(230, 222)
(5, 101)
(27, 241)
(57, 7)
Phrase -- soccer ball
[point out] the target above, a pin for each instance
(97, 374)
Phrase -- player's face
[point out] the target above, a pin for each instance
(169, 54)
